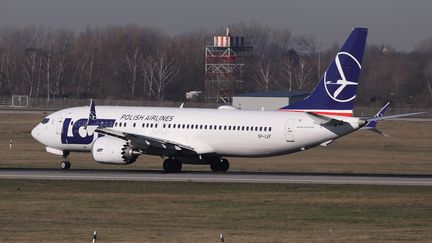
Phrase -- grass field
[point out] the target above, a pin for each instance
(69, 211)
(408, 150)
(62, 211)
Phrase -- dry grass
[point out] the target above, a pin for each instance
(68, 211)
(408, 150)
(63, 211)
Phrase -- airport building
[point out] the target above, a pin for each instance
(267, 100)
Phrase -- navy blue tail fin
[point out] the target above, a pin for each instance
(336, 90)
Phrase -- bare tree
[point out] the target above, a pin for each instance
(428, 76)
(8, 66)
(31, 68)
(264, 75)
(149, 76)
(85, 48)
(133, 62)
(159, 72)
(305, 69)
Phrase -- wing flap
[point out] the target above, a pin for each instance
(147, 143)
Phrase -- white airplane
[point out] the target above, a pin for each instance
(118, 135)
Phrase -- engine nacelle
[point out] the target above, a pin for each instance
(111, 150)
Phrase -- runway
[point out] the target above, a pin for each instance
(229, 177)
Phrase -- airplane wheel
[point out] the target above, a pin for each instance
(65, 165)
(177, 165)
(215, 165)
(172, 165)
(224, 166)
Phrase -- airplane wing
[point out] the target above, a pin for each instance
(373, 121)
(149, 145)
(393, 116)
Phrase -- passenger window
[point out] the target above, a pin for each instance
(265, 129)
(205, 127)
(260, 129)
(163, 126)
(134, 124)
(269, 129)
(169, 125)
(143, 125)
(201, 126)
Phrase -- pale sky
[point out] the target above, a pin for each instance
(400, 23)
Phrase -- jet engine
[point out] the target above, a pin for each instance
(111, 150)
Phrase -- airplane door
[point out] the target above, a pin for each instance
(59, 127)
(289, 126)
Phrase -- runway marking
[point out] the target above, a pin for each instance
(224, 179)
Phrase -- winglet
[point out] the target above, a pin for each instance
(372, 124)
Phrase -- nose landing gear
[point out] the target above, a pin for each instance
(65, 164)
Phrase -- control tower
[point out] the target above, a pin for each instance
(225, 60)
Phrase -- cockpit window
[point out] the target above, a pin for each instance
(45, 120)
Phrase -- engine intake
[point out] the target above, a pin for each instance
(111, 150)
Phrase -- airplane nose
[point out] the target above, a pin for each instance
(35, 132)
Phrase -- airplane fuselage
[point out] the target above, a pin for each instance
(224, 132)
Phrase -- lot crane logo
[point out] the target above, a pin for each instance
(338, 84)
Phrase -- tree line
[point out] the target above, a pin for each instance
(139, 62)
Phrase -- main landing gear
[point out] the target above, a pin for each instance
(171, 165)
(65, 164)
(219, 164)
